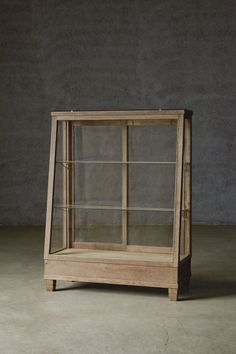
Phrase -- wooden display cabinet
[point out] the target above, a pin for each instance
(119, 199)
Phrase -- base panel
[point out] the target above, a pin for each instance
(124, 274)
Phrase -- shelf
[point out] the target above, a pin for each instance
(112, 256)
(125, 257)
(118, 162)
(107, 207)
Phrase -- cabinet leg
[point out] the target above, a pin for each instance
(50, 284)
(173, 294)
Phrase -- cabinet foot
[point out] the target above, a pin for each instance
(173, 294)
(50, 284)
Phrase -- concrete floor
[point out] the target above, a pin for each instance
(117, 319)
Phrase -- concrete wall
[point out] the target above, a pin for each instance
(89, 54)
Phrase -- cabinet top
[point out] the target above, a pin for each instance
(124, 114)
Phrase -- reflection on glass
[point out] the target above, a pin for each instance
(98, 226)
(150, 228)
(182, 235)
(152, 143)
(58, 183)
(98, 143)
(57, 230)
(98, 184)
(151, 185)
(93, 171)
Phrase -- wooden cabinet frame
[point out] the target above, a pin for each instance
(168, 267)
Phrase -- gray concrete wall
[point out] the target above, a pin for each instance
(63, 55)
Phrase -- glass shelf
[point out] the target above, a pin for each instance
(118, 162)
(107, 207)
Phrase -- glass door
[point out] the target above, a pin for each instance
(114, 186)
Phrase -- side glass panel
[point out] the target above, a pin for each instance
(185, 215)
(58, 213)
(182, 236)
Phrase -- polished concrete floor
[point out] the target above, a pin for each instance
(117, 319)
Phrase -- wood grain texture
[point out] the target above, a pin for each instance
(178, 189)
(113, 256)
(187, 187)
(124, 185)
(127, 113)
(122, 263)
(65, 182)
(51, 178)
(131, 274)
(50, 284)
(173, 294)
(132, 116)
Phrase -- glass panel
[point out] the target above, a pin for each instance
(98, 226)
(98, 184)
(152, 143)
(151, 185)
(60, 168)
(150, 228)
(182, 236)
(57, 230)
(99, 143)
(94, 172)
(185, 223)
(58, 214)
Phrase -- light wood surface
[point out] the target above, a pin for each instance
(173, 294)
(133, 116)
(65, 182)
(112, 256)
(51, 180)
(124, 185)
(178, 189)
(188, 187)
(129, 113)
(118, 255)
(122, 263)
(50, 284)
(71, 184)
(112, 273)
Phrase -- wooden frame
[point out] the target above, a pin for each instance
(168, 267)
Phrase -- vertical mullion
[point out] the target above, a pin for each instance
(124, 184)
(65, 181)
(178, 190)
(71, 179)
(51, 180)
(68, 184)
(183, 211)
